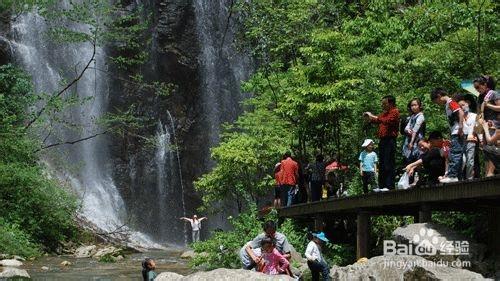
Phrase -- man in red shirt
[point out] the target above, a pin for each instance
(388, 125)
(289, 177)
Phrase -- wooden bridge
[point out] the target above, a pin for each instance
(475, 195)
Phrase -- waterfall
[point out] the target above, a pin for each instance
(85, 166)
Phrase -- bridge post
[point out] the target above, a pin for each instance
(362, 234)
(494, 230)
(424, 214)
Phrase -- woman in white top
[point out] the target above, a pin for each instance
(195, 226)
(315, 260)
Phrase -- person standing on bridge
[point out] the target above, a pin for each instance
(388, 127)
(456, 121)
(368, 166)
(289, 178)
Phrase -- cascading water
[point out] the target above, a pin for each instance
(167, 162)
(142, 187)
(84, 165)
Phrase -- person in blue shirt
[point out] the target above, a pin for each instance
(368, 166)
(148, 267)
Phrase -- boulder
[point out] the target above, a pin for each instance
(19, 258)
(401, 267)
(188, 254)
(85, 251)
(12, 272)
(222, 274)
(12, 263)
(111, 250)
(44, 268)
(296, 256)
(66, 263)
(443, 244)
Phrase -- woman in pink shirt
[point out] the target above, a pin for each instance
(272, 261)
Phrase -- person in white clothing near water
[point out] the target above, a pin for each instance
(195, 226)
(315, 260)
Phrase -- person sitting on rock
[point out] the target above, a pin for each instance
(282, 244)
(315, 260)
(245, 258)
(272, 261)
(148, 267)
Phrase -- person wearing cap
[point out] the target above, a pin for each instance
(388, 127)
(368, 166)
(195, 226)
(315, 260)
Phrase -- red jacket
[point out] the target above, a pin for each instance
(289, 171)
(388, 123)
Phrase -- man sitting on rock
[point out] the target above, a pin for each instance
(249, 254)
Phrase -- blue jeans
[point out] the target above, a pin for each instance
(317, 268)
(455, 158)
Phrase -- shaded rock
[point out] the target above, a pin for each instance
(19, 258)
(12, 272)
(442, 244)
(111, 250)
(401, 268)
(3, 256)
(66, 263)
(11, 262)
(85, 251)
(170, 276)
(296, 256)
(188, 254)
(221, 274)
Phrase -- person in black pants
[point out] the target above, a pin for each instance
(388, 128)
(316, 172)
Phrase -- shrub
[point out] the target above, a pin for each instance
(14, 241)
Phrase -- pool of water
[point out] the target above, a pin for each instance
(90, 269)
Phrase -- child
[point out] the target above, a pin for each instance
(368, 166)
(470, 138)
(414, 131)
(148, 267)
(456, 121)
(315, 260)
(272, 261)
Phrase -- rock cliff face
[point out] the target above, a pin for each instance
(192, 49)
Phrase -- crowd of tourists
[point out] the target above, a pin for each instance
(428, 159)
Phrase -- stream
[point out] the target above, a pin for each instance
(90, 269)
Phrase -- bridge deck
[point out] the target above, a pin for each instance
(419, 202)
(464, 195)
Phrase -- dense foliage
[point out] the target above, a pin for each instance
(322, 63)
(34, 210)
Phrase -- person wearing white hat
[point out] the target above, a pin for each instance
(368, 161)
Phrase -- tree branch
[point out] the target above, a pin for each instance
(75, 80)
(70, 142)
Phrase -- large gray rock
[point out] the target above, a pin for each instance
(12, 272)
(12, 263)
(85, 251)
(222, 274)
(189, 254)
(440, 242)
(401, 268)
(110, 250)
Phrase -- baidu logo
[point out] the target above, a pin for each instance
(426, 243)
